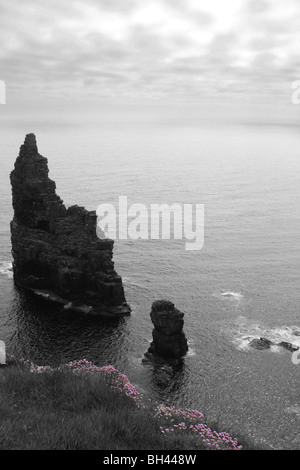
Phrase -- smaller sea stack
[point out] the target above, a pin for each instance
(169, 340)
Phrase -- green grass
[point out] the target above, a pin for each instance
(66, 411)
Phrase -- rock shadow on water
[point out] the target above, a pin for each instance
(47, 334)
(165, 356)
(166, 375)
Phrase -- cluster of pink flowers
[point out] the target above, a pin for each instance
(192, 415)
(211, 439)
(117, 380)
(180, 420)
(38, 369)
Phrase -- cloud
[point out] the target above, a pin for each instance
(259, 6)
(133, 48)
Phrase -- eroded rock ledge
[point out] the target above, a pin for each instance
(56, 252)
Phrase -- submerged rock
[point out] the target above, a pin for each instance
(261, 343)
(288, 346)
(56, 251)
(264, 343)
(169, 341)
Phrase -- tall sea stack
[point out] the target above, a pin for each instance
(56, 251)
(169, 340)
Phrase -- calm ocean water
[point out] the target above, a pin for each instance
(248, 178)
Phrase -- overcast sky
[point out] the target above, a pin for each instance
(147, 52)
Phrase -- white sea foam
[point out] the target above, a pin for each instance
(68, 306)
(235, 295)
(130, 282)
(245, 332)
(293, 409)
(42, 294)
(191, 352)
(6, 269)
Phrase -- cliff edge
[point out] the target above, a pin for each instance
(56, 251)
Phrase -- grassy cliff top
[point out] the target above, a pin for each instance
(82, 406)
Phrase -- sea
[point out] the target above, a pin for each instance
(243, 283)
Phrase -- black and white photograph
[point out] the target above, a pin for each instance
(149, 228)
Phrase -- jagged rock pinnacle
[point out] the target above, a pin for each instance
(56, 249)
(30, 146)
(30, 141)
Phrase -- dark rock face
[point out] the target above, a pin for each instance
(264, 343)
(56, 252)
(261, 343)
(169, 340)
(288, 346)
